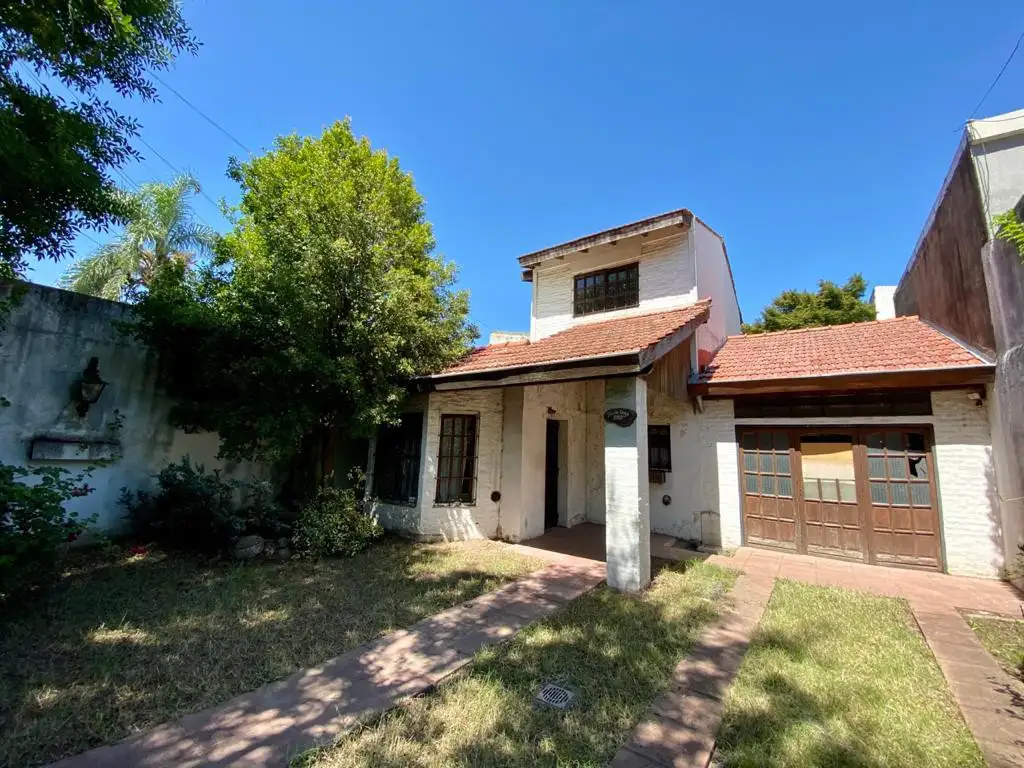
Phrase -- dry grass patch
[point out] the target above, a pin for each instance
(838, 678)
(1004, 639)
(617, 651)
(126, 643)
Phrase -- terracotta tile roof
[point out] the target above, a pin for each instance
(587, 340)
(899, 344)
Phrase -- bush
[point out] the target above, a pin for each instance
(34, 525)
(199, 511)
(333, 524)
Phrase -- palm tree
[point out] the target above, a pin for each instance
(160, 229)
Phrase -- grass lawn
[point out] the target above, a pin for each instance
(125, 643)
(1004, 639)
(838, 678)
(616, 651)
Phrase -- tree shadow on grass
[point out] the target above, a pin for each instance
(616, 652)
(124, 644)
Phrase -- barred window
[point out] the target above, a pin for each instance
(456, 460)
(607, 289)
(659, 447)
(396, 471)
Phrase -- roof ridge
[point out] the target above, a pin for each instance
(812, 328)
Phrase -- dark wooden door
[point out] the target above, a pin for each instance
(903, 517)
(551, 475)
(829, 503)
(769, 507)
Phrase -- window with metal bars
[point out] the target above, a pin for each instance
(606, 290)
(396, 464)
(659, 448)
(456, 460)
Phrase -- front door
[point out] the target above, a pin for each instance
(551, 475)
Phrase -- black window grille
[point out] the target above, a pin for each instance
(606, 290)
(456, 460)
(659, 447)
(396, 463)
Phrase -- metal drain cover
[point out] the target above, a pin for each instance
(555, 696)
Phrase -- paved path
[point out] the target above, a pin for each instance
(272, 724)
(680, 729)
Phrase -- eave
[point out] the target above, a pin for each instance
(932, 378)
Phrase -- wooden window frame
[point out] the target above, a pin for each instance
(457, 449)
(599, 298)
(397, 461)
(659, 436)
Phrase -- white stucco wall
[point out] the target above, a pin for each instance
(972, 537)
(714, 280)
(692, 483)
(49, 339)
(667, 280)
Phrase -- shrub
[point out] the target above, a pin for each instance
(199, 511)
(333, 523)
(34, 525)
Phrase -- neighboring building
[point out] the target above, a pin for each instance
(635, 404)
(972, 286)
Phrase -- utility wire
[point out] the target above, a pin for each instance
(175, 168)
(1001, 71)
(200, 112)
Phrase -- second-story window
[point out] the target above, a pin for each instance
(606, 290)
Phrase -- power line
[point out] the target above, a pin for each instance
(174, 168)
(1001, 71)
(200, 112)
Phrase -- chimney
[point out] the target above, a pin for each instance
(883, 299)
(508, 337)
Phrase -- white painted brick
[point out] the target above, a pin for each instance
(720, 429)
(967, 491)
(667, 280)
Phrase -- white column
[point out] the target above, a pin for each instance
(626, 492)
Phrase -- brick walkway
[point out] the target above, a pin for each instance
(272, 724)
(681, 727)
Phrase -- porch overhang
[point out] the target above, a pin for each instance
(934, 378)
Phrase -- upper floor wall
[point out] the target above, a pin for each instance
(675, 269)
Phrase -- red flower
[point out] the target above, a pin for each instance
(72, 536)
(137, 550)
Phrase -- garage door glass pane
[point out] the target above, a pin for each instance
(811, 490)
(897, 469)
(750, 483)
(919, 495)
(918, 466)
(766, 463)
(768, 484)
(876, 467)
(785, 486)
(878, 493)
(782, 463)
(829, 458)
(900, 496)
(750, 462)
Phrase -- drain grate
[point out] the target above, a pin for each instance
(555, 696)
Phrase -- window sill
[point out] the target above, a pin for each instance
(441, 504)
(397, 503)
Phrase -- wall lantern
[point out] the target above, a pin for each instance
(90, 386)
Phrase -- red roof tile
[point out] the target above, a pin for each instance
(899, 344)
(586, 340)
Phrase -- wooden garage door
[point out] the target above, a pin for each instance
(769, 508)
(903, 514)
(860, 493)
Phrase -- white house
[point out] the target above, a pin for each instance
(634, 403)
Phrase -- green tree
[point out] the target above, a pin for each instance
(160, 229)
(831, 304)
(320, 306)
(56, 152)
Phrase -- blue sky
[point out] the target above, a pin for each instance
(813, 136)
